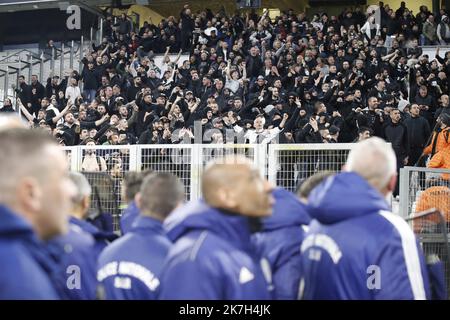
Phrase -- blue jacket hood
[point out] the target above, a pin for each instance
(13, 225)
(143, 224)
(129, 215)
(41, 283)
(288, 211)
(93, 230)
(344, 196)
(197, 215)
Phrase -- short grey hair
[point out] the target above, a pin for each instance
(374, 160)
(160, 193)
(82, 185)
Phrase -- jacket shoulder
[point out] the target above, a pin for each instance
(16, 280)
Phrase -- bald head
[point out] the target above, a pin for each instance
(233, 183)
(10, 122)
(375, 161)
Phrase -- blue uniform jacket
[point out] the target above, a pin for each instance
(77, 258)
(101, 238)
(212, 256)
(280, 240)
(130, 267)
(27, 269)
(356, 249)
(128, 216)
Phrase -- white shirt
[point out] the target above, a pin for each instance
(72, 93)
(265, 136)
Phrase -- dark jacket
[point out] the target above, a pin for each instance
(418, 131)
(397, 135)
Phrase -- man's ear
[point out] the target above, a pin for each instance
(392, 182)
(86, 203)
(225, 199)
(138, 200)
(29, 195)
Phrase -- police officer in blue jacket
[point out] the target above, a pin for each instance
(355, 247)
(131, 185)
(130, 267)
(35, 194)
(282, 234)
(78, 252)
(212, 256)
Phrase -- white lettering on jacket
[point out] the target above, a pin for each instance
(324, 242)
(131, 269)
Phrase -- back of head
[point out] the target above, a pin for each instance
(81, 199)
(132, 184)
(10, 122)
(160, 194)
(309, 184)
(374, 160)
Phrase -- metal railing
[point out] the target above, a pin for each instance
(290, 164)
(424, 188)
(55, 62)
(187, 161)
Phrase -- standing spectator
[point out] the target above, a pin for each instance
(389, 263)
(212, 255)
(24, 92)
(124, 25)
(91, 161)
(370, 29)
(90, 82)
(146, 246)
(35, 196)
(443, 31)
(73, 91)
(429, 31)
(253, 63)
(131, 184)
(187, 27)
(37, 94)
(418, 134)
(79, 256)
(395, 132)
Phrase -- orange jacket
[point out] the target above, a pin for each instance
(435, 197)
(441, 160)
(443, 141)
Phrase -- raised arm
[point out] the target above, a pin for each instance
(24, 110)
(178, 56)
(55, 119)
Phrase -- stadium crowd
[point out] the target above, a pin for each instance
(250, 78)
